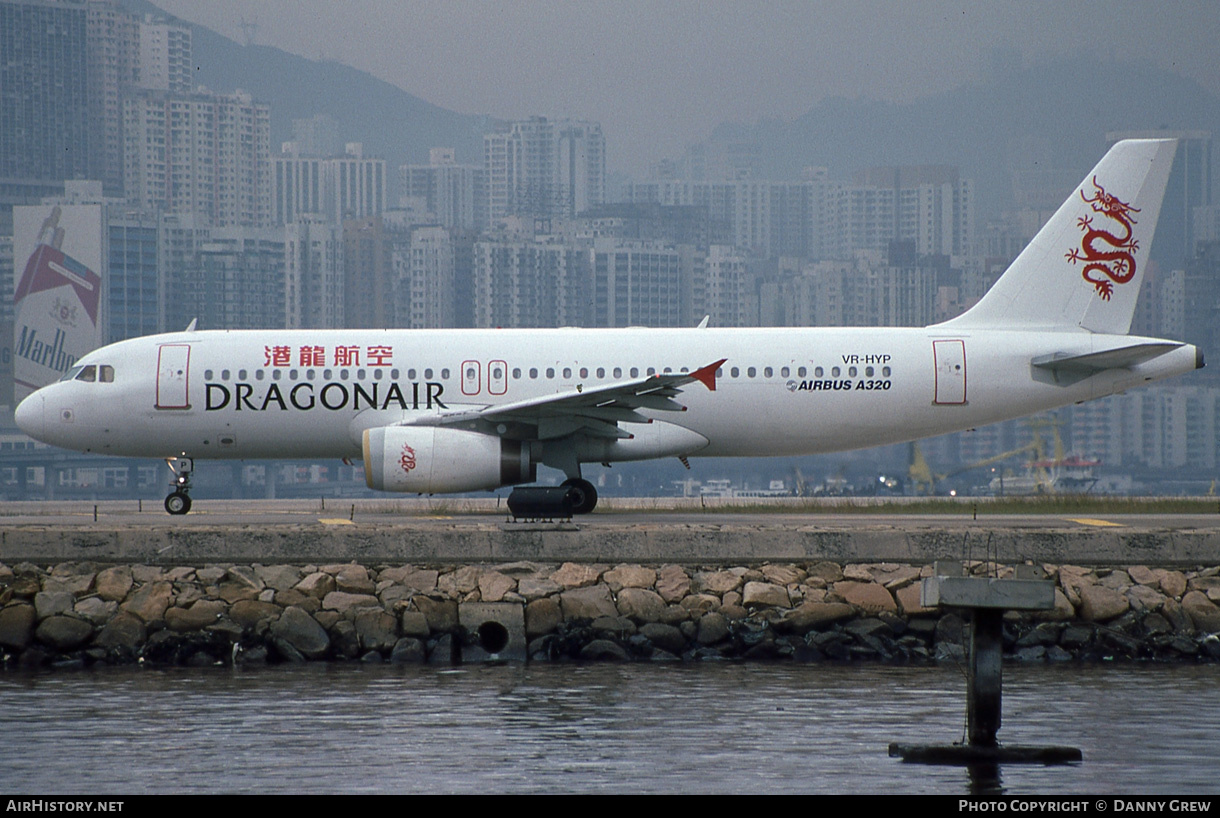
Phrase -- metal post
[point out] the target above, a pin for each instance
(985, 677)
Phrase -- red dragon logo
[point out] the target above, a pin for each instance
(407, 461)
(1117, 264)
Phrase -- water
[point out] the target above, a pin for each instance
(709, 728)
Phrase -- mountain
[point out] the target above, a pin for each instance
(389, 121)
(1053, 116)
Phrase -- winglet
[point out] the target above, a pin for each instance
(707, 375)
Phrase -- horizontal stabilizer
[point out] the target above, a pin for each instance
(1120, 358)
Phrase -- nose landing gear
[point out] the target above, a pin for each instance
(179, 500)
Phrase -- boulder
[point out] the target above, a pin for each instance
(1101, 604)
(629, 576)
(764, 594)
(17, 625)
(673, 583)
(150, 601)
(641, 605)
(588, 602)
(302, 632)
(63, 632)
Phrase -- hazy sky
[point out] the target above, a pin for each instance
(659, 75)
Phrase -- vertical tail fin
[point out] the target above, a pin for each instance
(1084, 268)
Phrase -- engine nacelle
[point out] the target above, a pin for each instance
(436, 460)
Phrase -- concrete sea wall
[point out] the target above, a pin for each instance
(79, 613)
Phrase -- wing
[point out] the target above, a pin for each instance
(594, 411)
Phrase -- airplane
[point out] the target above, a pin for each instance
(442, 411)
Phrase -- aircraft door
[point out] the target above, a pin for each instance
(497, 377)
(173, 373)
(471, 377)
(950, 361)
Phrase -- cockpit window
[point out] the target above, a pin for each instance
(71, 374)
(105, 373)
(88, 374)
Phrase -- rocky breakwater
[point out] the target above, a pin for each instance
(74, 614)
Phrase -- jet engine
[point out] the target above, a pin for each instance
(436, 460)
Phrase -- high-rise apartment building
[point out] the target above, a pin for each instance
(544, 168)
(530, 283)
(199, 153)
(313, 274)
(223, 278)
(368, 272)
(45, 135)
(456, 195)
(351, 186)
(127, 54)
(635, 283)
(424, 279)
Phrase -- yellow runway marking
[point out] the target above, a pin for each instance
(1091, 521)
(334, 521)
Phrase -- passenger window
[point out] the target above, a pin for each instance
(276, 374)
(635, 372)
(818, 372)
(107, 373)
(567, 372)
(735, 372)
(618, 372)
(868, 372)
(427, 374)
(377, 374)
(784, 372)
(851, 372)
(652, 371)
(224, 374)
(584, 372)
(767, 372)
(516, 373)
(444, 374)
(326, 374)
(885, 371)
(207, 374)
(470, 373)
(88, 374)
(834, 372)
(667, 370)
(751, 372)
(410, 374)
(343, 373)
(533, 372)
(601, 372)
(259, 374)
(393, 373)
(309, 374)
(550, 372)
(241, 374)
(293, 374)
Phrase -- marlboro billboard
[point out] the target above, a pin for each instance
(57, 248)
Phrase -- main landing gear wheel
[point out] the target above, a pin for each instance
(586, 495)
(178, 503)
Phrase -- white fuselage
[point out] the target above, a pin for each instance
(781, 391)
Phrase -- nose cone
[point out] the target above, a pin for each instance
(29, 416)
